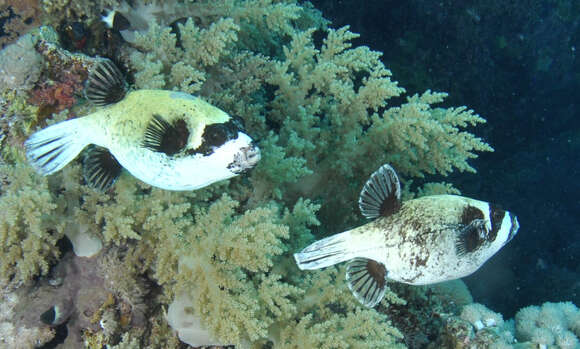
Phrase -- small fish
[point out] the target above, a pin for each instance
(171, 140)
(421, 241)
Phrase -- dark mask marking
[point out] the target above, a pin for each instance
(496, 216)
(216, 135)
(469, 214)
(163, 137)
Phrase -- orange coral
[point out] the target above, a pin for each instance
(56, 96)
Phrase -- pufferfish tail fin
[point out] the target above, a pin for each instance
(52, 148)
(326, 252)
(367, 278)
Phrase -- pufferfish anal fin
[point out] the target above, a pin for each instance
(100, 168)
(381, 194)
(471, 237)
(106, 84)
(161, 136)
(367, 280)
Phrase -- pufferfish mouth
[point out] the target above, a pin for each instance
(245, 159)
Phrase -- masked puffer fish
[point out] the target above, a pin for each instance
(421, 241)
(171, 140)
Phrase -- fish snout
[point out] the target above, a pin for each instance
(246, 158)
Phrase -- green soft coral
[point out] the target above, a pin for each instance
(223, 268)
(365, 329)
(235, 264)
(332, 107)
(28, 234)
(425, 140)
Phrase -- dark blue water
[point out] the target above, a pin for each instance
(517, 65)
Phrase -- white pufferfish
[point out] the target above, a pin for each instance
(421, 241)
(168, 139)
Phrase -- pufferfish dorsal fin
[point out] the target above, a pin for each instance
(367, 280)
(381, 194)
(106, 84)
(163, 137)
(100, 168)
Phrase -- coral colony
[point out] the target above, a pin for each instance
(135, 266)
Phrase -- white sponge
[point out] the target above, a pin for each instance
(181, 318)
(84, 243)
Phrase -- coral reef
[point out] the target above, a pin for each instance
(95, 299)
(20, 64)
(480, 317)
(321, 110)
(28, 236)
(19, 336)
(323, 113)
(54, 97)
(64, 76)
(551, 324)
(17, 17)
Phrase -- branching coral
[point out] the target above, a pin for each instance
(422, 139)
(329, 104)
(221, 255)
(341, 332)
(331, 107)
(204, 39)
(28, 235)
(187, 73)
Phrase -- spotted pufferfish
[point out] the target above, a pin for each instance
(168, 139)
(418, 242)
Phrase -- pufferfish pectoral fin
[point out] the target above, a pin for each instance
(367, 280)
(106, 84)
(471, 237)
(161, 136)
(100, 168)
(381, 194)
